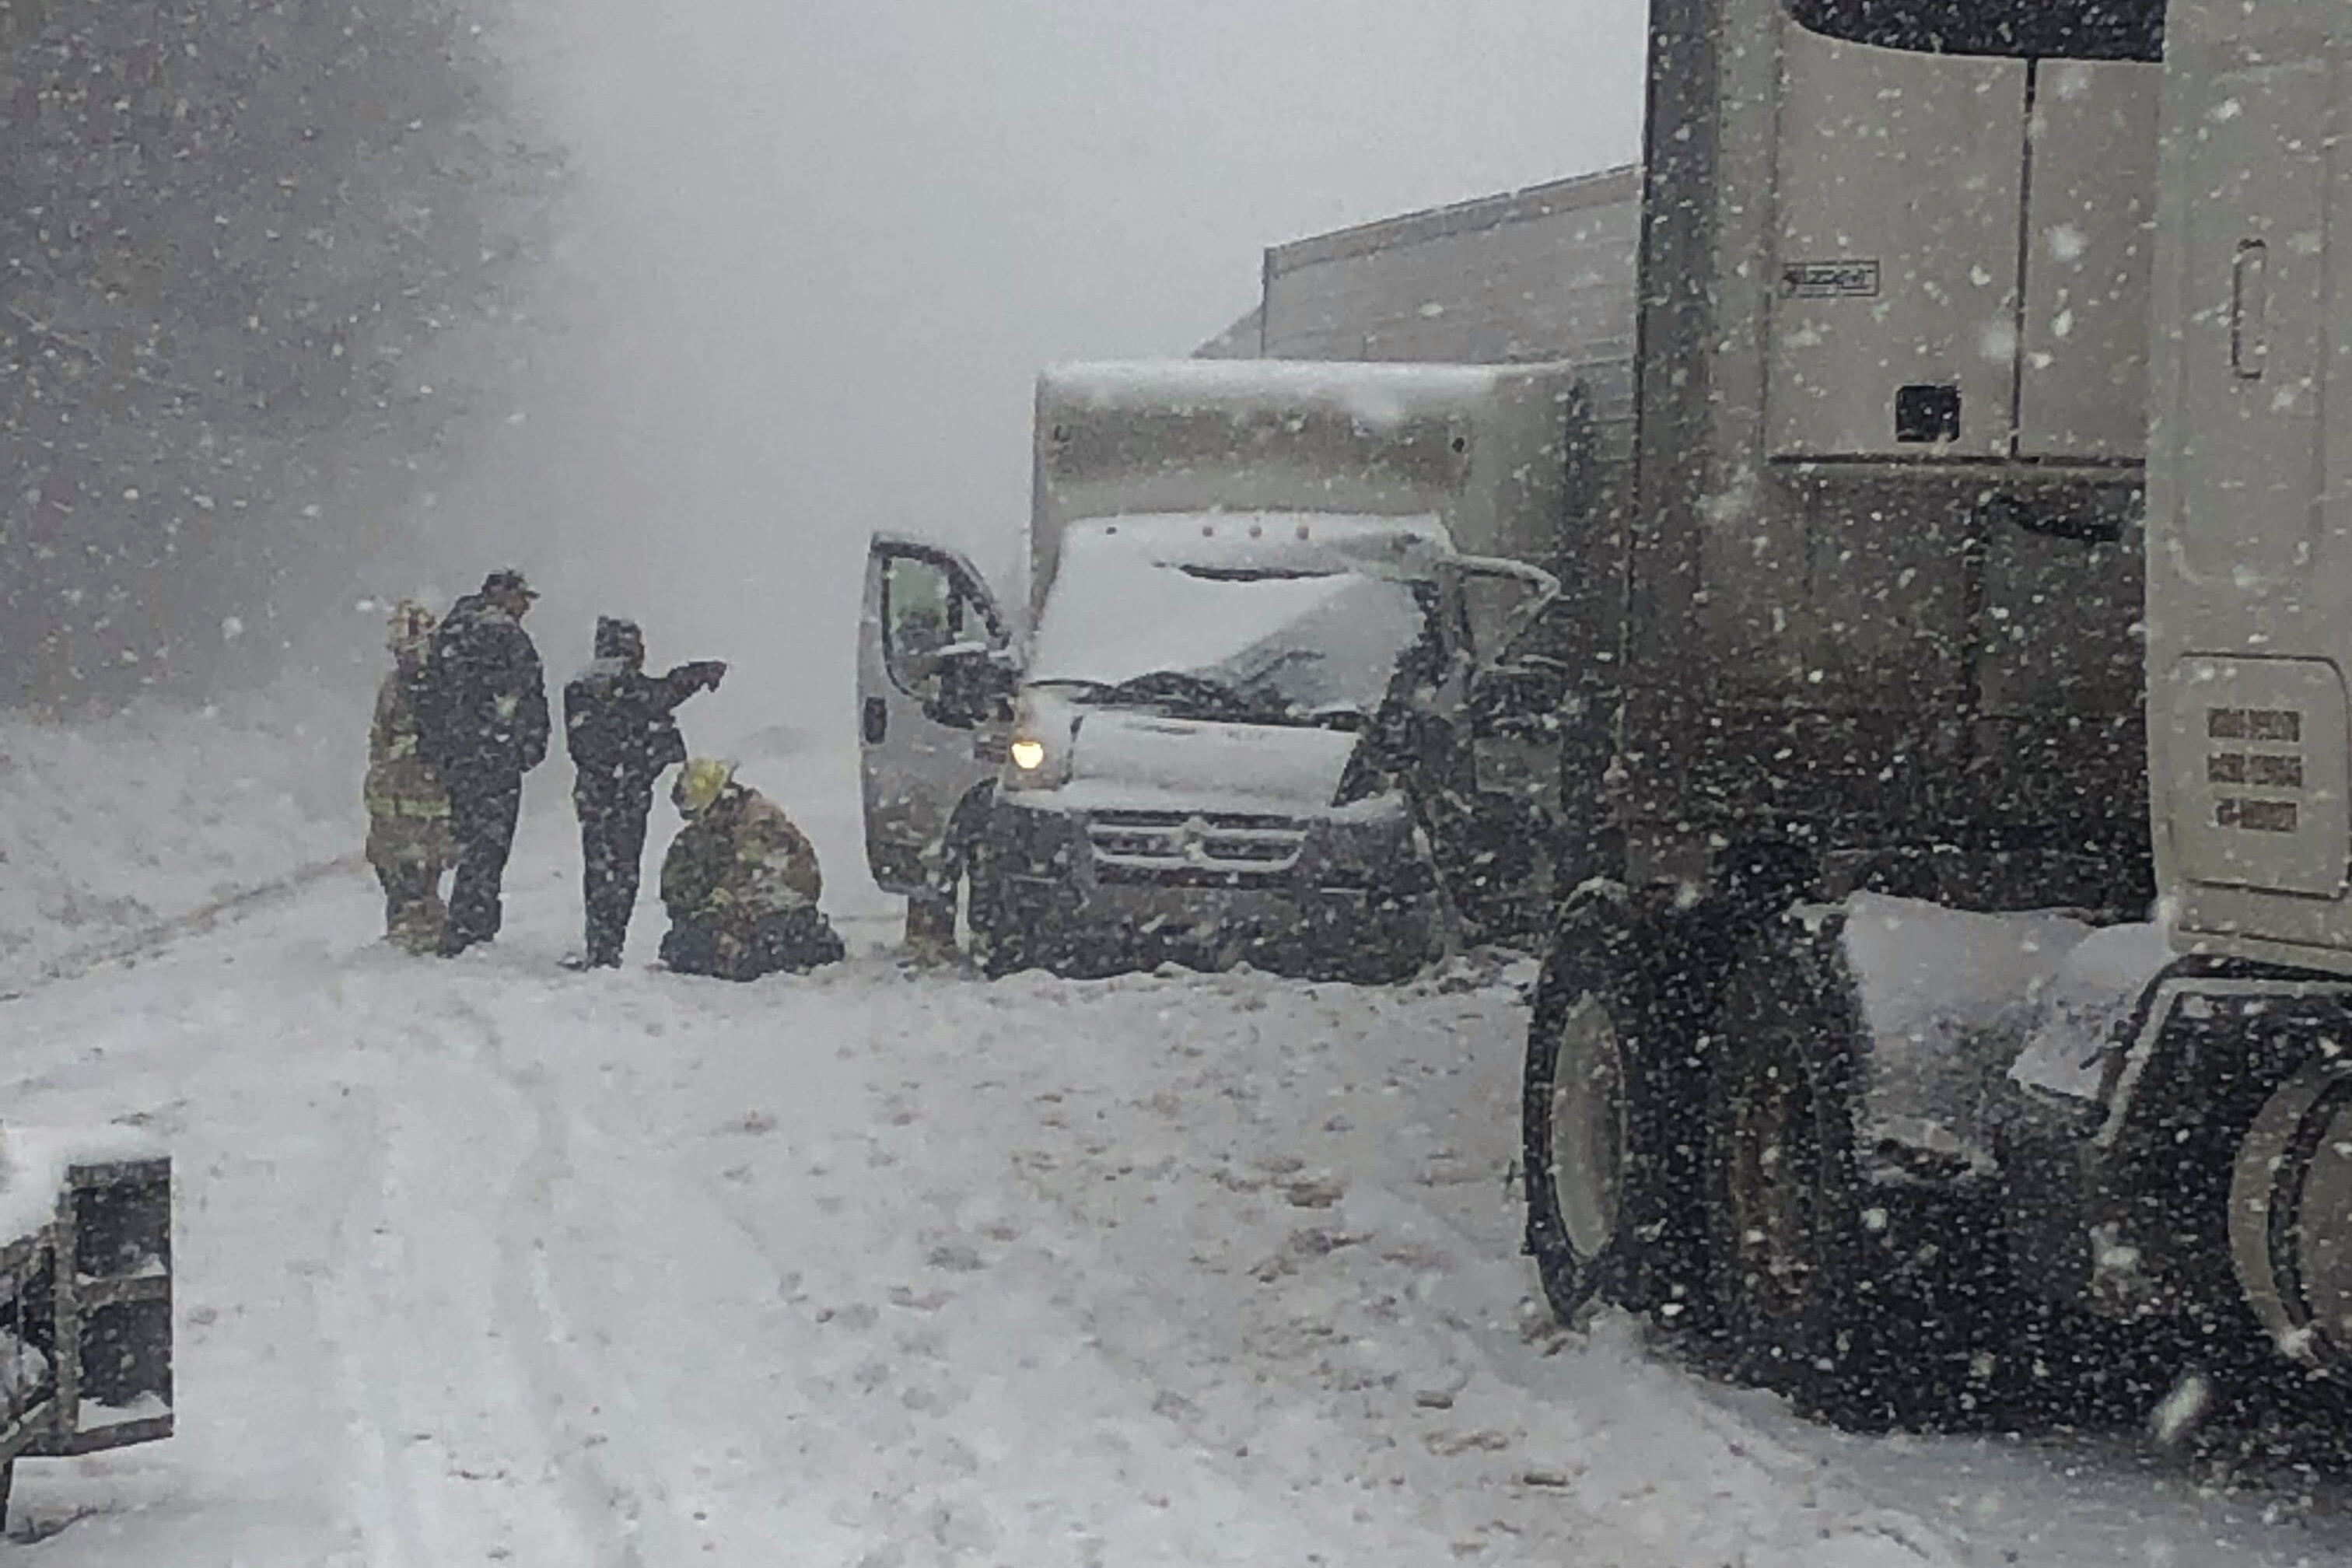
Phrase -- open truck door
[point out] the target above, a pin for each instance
(934, 691)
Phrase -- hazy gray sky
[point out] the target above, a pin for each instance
(826, 245)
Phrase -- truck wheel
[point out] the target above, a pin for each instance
(2290, 1216)
(1608, 1210)
(1000, 942)
(1770, 1198)
(1806, 1309)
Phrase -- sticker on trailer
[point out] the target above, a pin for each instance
(1830, 280)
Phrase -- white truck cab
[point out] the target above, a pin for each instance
(2250, 638)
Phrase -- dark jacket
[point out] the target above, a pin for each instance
(621, 724)
(483, 709)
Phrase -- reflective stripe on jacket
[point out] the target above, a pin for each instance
(400, 782)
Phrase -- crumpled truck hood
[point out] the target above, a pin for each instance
(1147, 761)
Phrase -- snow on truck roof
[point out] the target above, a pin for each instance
(1395, 391)
(1618, 186)
(1278, 540)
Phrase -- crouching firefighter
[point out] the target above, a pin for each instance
(741, 883)
(410, 842)
(621, 725)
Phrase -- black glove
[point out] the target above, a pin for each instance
(702, 675)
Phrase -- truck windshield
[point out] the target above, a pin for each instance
(2042, 29)
(1229, 642)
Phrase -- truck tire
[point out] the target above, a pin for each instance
(1821, 1293)
(1610, 1212)
(1779, 1194)
(2290, 1192)
(2233, 1145)
(999, 933)
(1497, 864)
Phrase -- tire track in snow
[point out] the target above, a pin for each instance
(440, 1400)
(610, 1511)
(1347, 1298)
(382, 1501)
(655, 1314)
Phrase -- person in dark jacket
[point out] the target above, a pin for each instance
(484, 723)
(620, 726)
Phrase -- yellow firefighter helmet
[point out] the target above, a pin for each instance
(412, 627)
(700, 782)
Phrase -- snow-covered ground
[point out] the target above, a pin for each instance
(488, 1262)
(111, 832)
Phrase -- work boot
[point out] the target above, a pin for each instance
(930, 927)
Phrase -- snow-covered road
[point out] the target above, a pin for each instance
(488, 1262)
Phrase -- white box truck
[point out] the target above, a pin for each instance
(1272, 614)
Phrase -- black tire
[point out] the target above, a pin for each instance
(1498, 860)
(1829, 1289)
(1610, 1212)
(1000, 939)
(1391, 945)
(1777, 1204)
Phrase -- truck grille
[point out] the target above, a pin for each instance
(1174, 846)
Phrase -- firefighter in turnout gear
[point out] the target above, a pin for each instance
(741, 883)
(409, 841)
(484, 726)
(621, 727)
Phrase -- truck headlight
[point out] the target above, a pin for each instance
(1044, 741)
(1036, 762)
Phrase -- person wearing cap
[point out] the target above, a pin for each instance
(485, 725)
(409, 841)
(741, 883)
(620, 725)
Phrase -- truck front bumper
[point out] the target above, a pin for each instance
(1100, 892)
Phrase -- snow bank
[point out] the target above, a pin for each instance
(111, 830)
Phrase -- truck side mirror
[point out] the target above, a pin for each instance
(975, 687)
